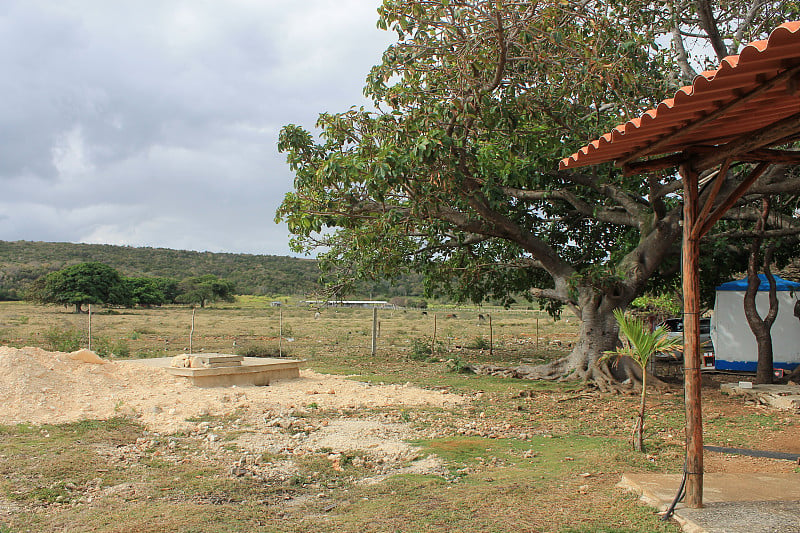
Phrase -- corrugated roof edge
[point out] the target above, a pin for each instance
(788, 31)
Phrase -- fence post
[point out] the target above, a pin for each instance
(374, 330)
(191, 333)
(90, 327)
(491, 336)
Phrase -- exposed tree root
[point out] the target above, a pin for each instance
(622, 377)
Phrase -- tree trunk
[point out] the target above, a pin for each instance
(77, 308)
(764, 370)
(599, 333)
(761, 328)
(638, 433)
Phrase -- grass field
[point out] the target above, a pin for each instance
(520, 456)
(252, 325)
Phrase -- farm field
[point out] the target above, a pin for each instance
(399, 441)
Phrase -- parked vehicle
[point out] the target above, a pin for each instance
(674, 327)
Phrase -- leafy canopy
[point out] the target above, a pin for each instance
(452, 173)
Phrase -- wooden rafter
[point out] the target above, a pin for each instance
(712, 197)
(704, 226)
(762, 155)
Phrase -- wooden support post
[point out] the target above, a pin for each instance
(691, 344)
(90, 327)
(280, 332)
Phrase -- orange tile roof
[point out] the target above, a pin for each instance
(758, 62)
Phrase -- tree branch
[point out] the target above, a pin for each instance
(709, 25)
(583, 207)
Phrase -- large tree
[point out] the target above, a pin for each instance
(81, 284)
(205, 289)
(452, 172)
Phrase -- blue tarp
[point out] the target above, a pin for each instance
(741, 285)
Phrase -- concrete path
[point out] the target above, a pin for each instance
(781, 396)
(746, 503)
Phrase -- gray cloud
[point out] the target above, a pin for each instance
(155, 122)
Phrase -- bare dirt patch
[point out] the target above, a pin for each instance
(40, 387)
(37, 386)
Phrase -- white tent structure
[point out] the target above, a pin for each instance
(734, 342)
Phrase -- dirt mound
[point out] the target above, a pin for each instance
(39, 387)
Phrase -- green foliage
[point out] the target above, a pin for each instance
(9, 295)
(450, 172)
(663, 305)
(423, 348)
(261, 350)
(205, 289)
(105, 347)
(151, 291)
(458, 366)
(23, 262)
(120, 348)
(148, 353)
(63, 339)
(479, 343)
(84, 283)
(642, 343)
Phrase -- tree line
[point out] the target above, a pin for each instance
(100, 284)
(22, 262)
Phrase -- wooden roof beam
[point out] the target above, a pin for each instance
(754, 156)
(766, 136)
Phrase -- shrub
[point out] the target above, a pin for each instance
(105, 347)
(458, 366)
(479, 343)
(148, 353)
(423, 348)
(63, 340)
(101, 346)
(261, 350)
(121, 348)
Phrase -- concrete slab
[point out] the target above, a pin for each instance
(779, 396)
(218, 359)
(747, 503)
(258, 371)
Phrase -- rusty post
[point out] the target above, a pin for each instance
(691, 345)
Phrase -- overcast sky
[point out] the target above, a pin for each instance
(155, 122)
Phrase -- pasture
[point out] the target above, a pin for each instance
(512, 456)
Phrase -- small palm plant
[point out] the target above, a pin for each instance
(641, 346)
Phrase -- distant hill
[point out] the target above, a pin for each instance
(23, 261)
